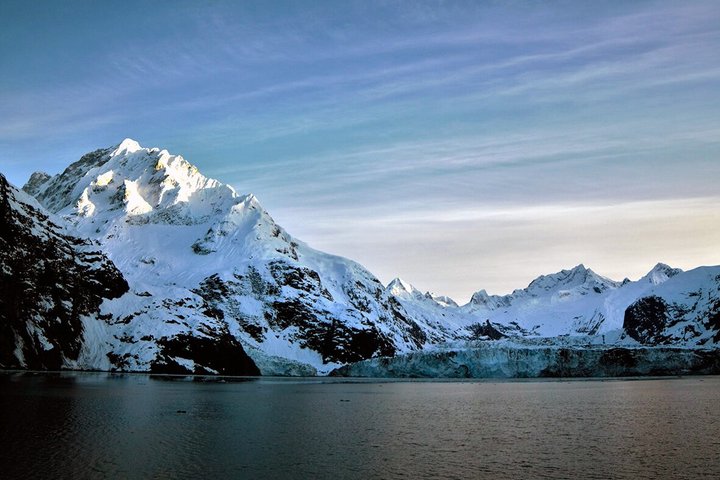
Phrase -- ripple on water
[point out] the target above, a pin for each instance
(99, 426)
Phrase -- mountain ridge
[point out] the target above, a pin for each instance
(206, 265)
(172, 230)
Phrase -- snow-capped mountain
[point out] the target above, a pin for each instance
(569, 301)
(666, 323)
(682, 309)
(53, 311)
(180, 273)
(194, 249)
(660, 274)
(579, 302)
(438, 322)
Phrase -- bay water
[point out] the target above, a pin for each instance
(98, 425)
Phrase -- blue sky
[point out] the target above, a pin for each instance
(460, 145)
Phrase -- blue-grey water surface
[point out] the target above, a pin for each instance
(136, 426)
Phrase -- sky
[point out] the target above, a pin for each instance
(458, 145)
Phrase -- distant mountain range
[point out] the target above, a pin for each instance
(132, 260)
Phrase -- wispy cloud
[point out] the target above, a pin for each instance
(448, 118)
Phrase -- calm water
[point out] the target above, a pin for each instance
(110, 426)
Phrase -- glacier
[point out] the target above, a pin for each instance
(512, 359)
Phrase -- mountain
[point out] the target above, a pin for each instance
(131, 259)
(569, 302)
(203, 259)
(55, 310)
(439, 323)
(682, 309)
(666, 323)
(52, 285)
(566, 302)
(660, 274)
(579, 302)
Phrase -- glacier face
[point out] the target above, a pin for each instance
(508, 360)
(208, 266)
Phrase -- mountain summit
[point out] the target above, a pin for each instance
(148, 185)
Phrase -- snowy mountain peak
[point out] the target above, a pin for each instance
(480, 297)
(127, 146)
(482, 300)
(398, 286)
(406, 292)
(35, 183)
(445, 301)
(209, 270)
(578, 276)
(660, 273)
(123, 195)
(147, 185)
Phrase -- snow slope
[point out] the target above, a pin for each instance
(187, 243)
(579, 302)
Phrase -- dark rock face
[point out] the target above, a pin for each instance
(335, 341)
(48, 280)
(713, 322)
(221, 354)
(691, 317)
(646, 318)
(296, 302)
(479, 331)
(299, 278)
(33, 185)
